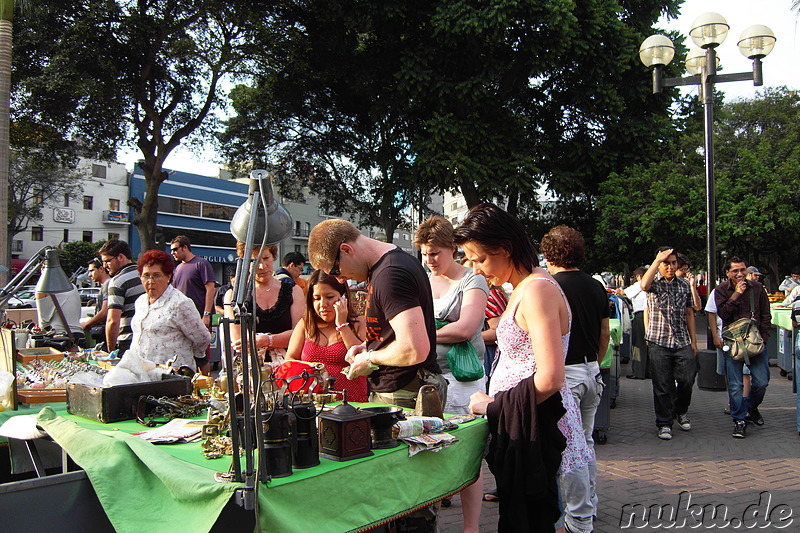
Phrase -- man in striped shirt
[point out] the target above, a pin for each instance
(124, 288)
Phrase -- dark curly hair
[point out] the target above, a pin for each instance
(564, 247)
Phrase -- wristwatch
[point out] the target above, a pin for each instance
(370, 364)
(207, 313)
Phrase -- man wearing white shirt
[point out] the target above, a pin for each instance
(638, 345)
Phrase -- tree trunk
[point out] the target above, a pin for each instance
(470, 192)
(7, 13)
(147, 214)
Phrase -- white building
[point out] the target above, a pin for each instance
(101, 213)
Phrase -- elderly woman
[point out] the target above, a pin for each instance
(279, 306)
(166, 325)
(459, 300)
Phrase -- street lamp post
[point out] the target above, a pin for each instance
(708, 31)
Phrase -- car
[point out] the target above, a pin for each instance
(22, 299)
(88, 295)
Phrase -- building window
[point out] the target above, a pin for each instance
(66, 200)
(179, 206)
(37, 233)
(38, 197)
(66, 236)
(87, 236)
(113, 204)
(88, 202)
(16, 246)
(297, 248)
(307, 232)
(99, 171)
(220, 212)
(113, 236)
(297, 228)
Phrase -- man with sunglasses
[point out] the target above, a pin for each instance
(96, 325)
(124, 288)
(194, 277)
(399, 354)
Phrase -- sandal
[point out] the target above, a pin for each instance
(491, 496)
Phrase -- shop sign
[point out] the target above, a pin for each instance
(64, 215)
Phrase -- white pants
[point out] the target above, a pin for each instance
(458, 393)
(578, 486)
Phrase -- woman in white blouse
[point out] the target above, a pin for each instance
(166, 325)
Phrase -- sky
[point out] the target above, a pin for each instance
(781, 67)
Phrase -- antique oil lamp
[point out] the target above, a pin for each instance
(344, 433)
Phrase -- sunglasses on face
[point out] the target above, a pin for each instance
(335, 271)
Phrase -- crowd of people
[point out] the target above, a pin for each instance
(538, 334)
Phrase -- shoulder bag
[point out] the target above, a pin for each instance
(741, 339)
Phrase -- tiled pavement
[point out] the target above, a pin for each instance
(715, 469)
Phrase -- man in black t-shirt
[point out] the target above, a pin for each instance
(563, 248)
(399, 354)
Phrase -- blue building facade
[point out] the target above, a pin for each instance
(199, 207)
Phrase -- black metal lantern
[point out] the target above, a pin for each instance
(344, 433)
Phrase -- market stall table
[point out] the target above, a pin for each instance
(782, 346)
(143, 487)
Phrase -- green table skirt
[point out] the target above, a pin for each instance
(782, 317)
(136, 481)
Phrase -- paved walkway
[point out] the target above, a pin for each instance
(711, 466)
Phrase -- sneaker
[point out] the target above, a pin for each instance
(739, 429)
(665, 433)
(684, 422)
(755, 417)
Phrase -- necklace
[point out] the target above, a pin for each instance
(263, 289)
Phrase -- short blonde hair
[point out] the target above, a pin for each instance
(325, 239)
(256, 250)
(435, 231)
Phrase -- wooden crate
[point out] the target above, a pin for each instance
(27, 355)
(41, 395)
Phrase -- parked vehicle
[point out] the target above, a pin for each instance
(88, 295)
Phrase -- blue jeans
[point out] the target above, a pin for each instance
(759, 375)
(668, 367)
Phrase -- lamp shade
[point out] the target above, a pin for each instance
(275, 225)
(656, 50)
(756, 41)
(696, 60)
(709, 29)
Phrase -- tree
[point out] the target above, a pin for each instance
(757, 155)
(36, 182)
(76, 254)
(489, 98)
(148, 70)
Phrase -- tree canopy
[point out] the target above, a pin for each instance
(757, 168)
(381, 103)
(147, 71)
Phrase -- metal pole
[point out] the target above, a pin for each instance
(707, 88)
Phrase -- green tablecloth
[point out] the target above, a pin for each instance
(782, 317)
(136, 481)
(616, 338)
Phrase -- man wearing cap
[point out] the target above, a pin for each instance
(753, 274)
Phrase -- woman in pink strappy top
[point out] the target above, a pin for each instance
(533, 333)
(329, 327)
